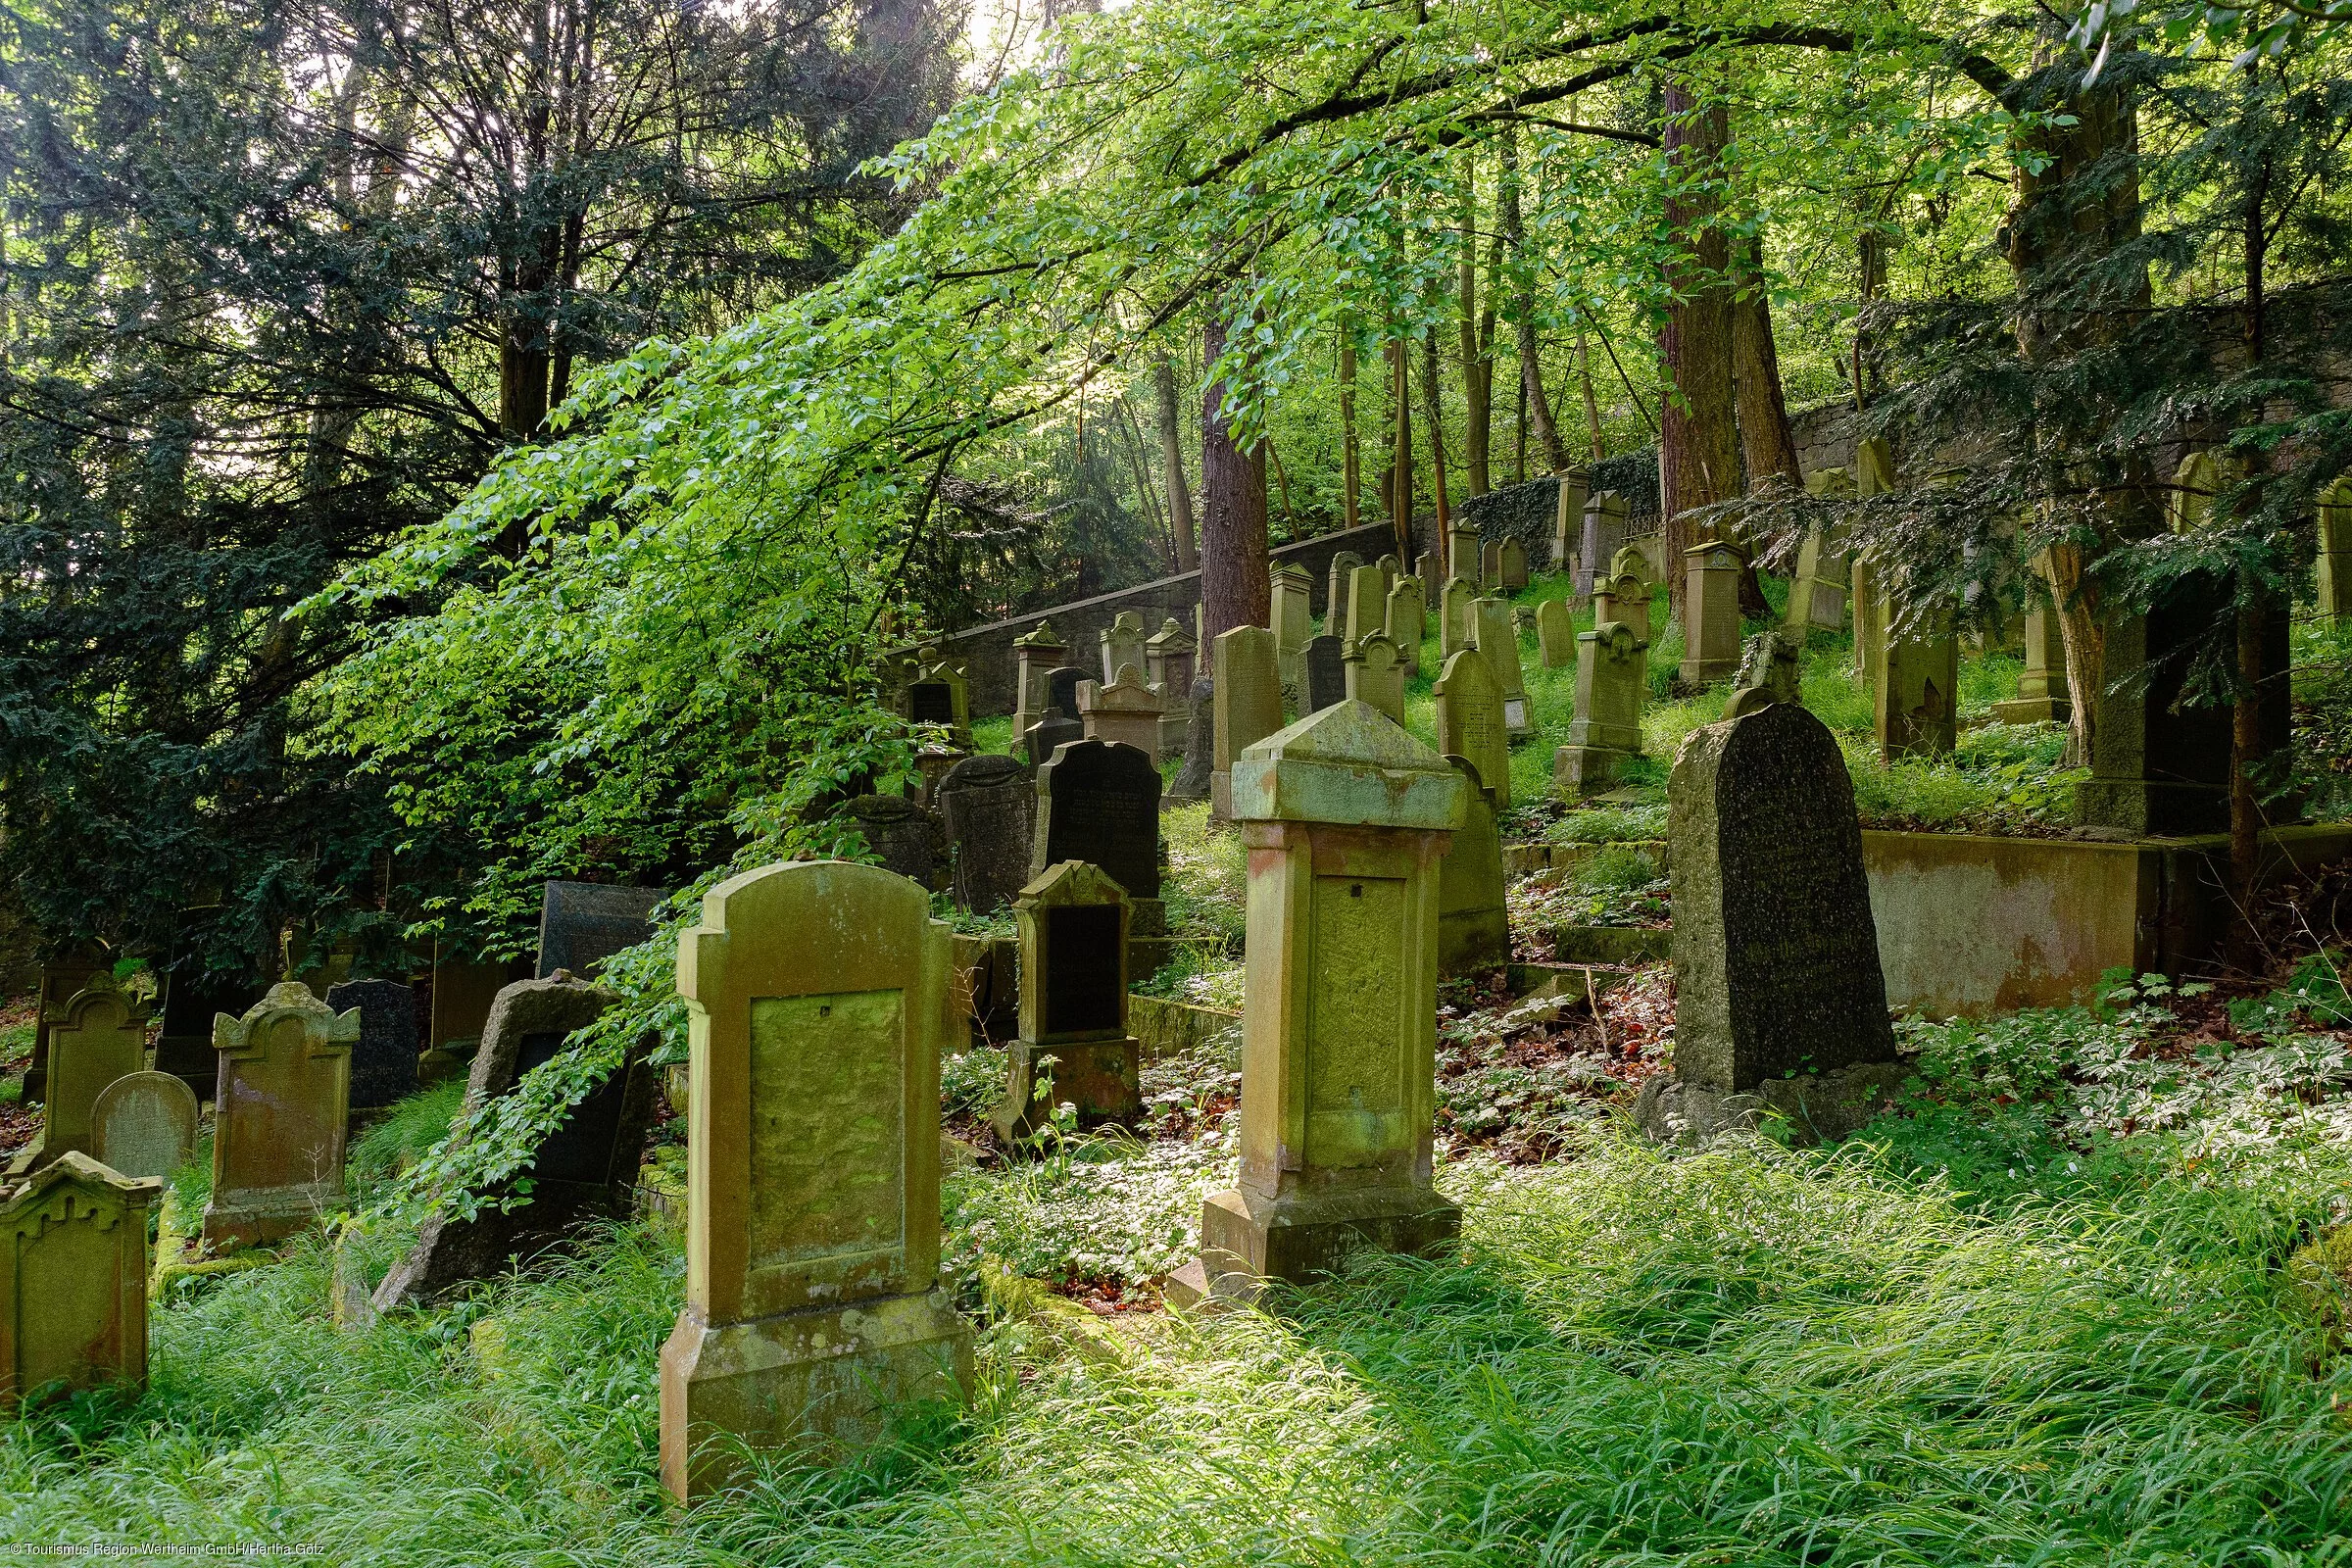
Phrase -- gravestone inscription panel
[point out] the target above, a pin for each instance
(1098, 802)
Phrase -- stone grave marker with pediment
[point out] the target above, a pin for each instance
(1121, 644)
(280, 1114)
(98, 1036)
(1470, 721)
(1408, 621)
(1073, 942)
(73, 1279)
(1126, 711)
(1612, 675)
(1376, 675)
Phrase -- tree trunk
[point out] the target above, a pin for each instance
(1764, 435)
(1584, 372)
(1478, 370)
(1171, 455)
(1698, 452)
(2253, 617)
(1236, 588)
(1523, 312)
(1433, 414)
(1401, 451)
(1350, 473)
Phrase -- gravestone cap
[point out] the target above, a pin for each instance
(146, 1124)
(1348, 764)
(1041, 636)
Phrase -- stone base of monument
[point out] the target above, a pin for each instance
(826, 1380)
(289, 1212)
(445, 1062)
(1246, 1239)
(1101, 1077)
(1220, 796)
(1585, 769)
(1821, 1109)
(2033, 710)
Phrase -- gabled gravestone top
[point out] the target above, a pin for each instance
(1127, 710)
(99, 1036)
(991, 809)
(817, 997)
(901, 833)
(62, 979)
(1779, 992)
(1470, 721)
(383, 1063)
(581, 924)
(145, 1124)
(1376, 675)
(1099, 803)
(1326, 675)
(73, 1279)
(1074, 925)
(277, 1142)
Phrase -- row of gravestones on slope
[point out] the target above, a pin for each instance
(817, 992)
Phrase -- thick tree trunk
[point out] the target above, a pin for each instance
(1171, 455)
(1764, 436)
(1523, 312)
(1236, 589)
(1698, 452)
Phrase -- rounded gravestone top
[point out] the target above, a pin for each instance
(144, 1124)
(987, 771)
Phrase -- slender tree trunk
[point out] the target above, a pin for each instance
(1433, 414)
(1236, 587)
(1401, 451)
(2254, 610)
(1519, 429)
(1584, 374)
(1523, 312)
(1349, 477)
(1131, 441)
(1764, 436)
(1171, 457)
(1699, 453)
(1478, 372)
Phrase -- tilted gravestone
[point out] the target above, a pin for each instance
(280, 1114)
(1470, 721)
(1489, 567)
(1779, 999)
(98, 1036)
(585, 1169)
(1248, 698)
(1376, 675)
(73, 1279)
(1326, 673)
(816, 994)
(1099, 803)
(1474, 926)
(1073, 942)
(1499, 640)
(144, 1124)
(1605, 512)
(901, 833)
(1555, 634)
(383, 1062)
(1457, 619)
(990, 805)
(1196, 778)
(581, 924)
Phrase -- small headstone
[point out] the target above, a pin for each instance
(1326, 674)
(1568, 524)
(581, 924)
(932, 764)
(73, 1279)
(1073, 938)
(1474, 926)
(1293, 624)
(1514, 566)
(1916, 679)
(1711, 612)
(98, 1036)
(902, 834)
(1461, 556)
(1470, 721)
(1038, 745)
(931, 702)
(1555, 634)
(1169, 658)
(1341, 581)
(990, 805)
(2041, 689)
(1489, 568)
(383, 1061)
(1126, 711)
(1613, 674)
(1122, 644)
(1196, 777)
(145, 1124)
(1248, 703)
(1098, 802)
(1376, 675)
(1817, 595)
(1499, 640)
(819, 995)
(1604, 534)
(1408, 621)
(1062, 691)
(280, 1115)
(1622, 595)
(585, 1170)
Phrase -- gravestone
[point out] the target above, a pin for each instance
(1817, 595)
(184, 1048)
(582, 1171)
(1340, 583)
(1346, 818)
(1062, 690)
(1408, 621)
(1470, 721)
(1474, 928)
(1568, 523)
(461, 996)
(1499, 640)
(1461, 556)
(990, 805)
(1197, 777)
(1036, 656)
(940, 695)
(1621, 594)
(144, 1124)
(383, 1060)
(2159, 765)
(1866, 588)
(1122, 644)
(1376, 675)
(2334, 581)
(280, 1117)
(581, 924)
(1917, 681)
(2041, 690)
(1779, 1001)
(1555, 634)
(1711, 612)
(1249, 699)
(1040, 741)
(1457, 619)
(1073, 939)
(1489, 568)
(1326, 673)
(1771, 671)
(1126, 712)
(73, 1280)
(1513, 566)
(2189, 502)
(1613, 674)
(62, 980)
(1604, 535)
(1292, 624)
(816, 998)
(1174, 659)
(1367, 604)
(98, 1036)
(1099, 803)
(902, 834)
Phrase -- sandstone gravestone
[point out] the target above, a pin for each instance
(581, 924)
(1043, 739)
(1555, 634)
(1470, 721)
(383, 1060)
(1873, 474)
(144, 1124)
(2042, 691)
(1376, 675)
(1127, 711)
(1771, 671)
(1461, 556)
(1036, 657)
(1474, 928)
(1367, 604)
(98, 1036)
(1340, 581)
(1513, 565)
(1408, 621)
(1622, 593)
(1816, 596)
(1099, 803)
(1073, 939)
(1915, 684)
(901, 833)
(1711, 612)
(991, 810)
(62, 979)
(1293, 624)
(815, 997)
(2335, 563)
(1248, 698)
(585, 1169)
(1778, 997)
(940, 695)
(1346, 818)
(1122, 644)
(1489, 568)
(1197, 777)
(1499, 640)
(1457, 619)
(73, 1280)
(1604, 535)
(1568, 521)
(1326, 673)
(1612, 673)
(1174, 660)
(280, 1112)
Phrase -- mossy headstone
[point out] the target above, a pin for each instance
(144, 1124)
(278, 1138)
(73, 1279)
(1470, 721)
(98, 1036)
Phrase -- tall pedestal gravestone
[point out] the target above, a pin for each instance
(1248, 698)
(99, 1036)
(1292, 620)
(1711, 614)
(990, 805)
(581, 924)
(383, 1062)
(1568, 518)
(1474, 925)
(585, 1169)
(281, 1108)
(2042, 691)
(1779, 1002)
(1604, 535)
(815, 997)
(1127, 710)
(73, 1279)
(1073, 938)
(1817, 595)
(1036, 657)
(1347, 818)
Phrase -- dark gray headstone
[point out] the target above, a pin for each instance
(581, 924)
(1061, 687)
(1098, 802)
(185, 1050)
(1047, 734)
(1776, 955)
(1081, 985)
(931, 702)
(990, 804)
(904, 836)
(586, 1169)
(383, 1064)
(1199, 746)
(1326, 673)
